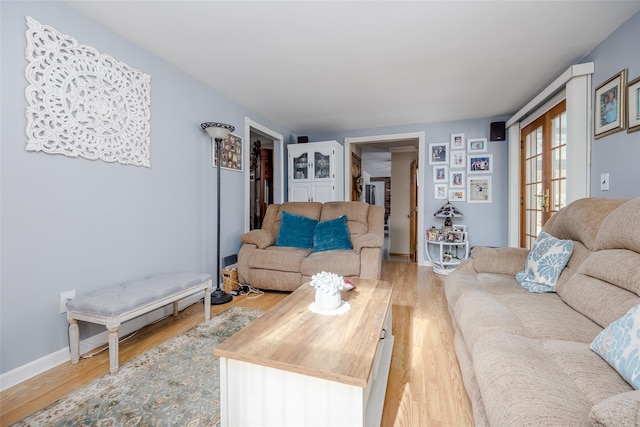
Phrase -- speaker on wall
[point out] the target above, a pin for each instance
(497, 131)
(303, 139)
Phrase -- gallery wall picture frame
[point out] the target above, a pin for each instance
(458, 159)
(440, 174)
(479, 189)
(633, 105)
(457, 141)
(457, 195)
(479, 163)
(439, 153)
(440, 191)
(457, 179)
(609, 104)
(477, 145)
(230, 153)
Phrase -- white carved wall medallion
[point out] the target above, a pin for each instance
(84, 103)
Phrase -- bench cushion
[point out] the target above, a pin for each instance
(113, 300)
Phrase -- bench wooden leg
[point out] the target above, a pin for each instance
(74, 341)
(207, 303)
(113, 350)
(175, 309)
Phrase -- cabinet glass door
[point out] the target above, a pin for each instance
(301, 167)
(322, 166)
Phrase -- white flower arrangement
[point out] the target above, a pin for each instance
(330, 283)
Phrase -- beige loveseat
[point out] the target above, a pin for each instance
(265, 266)
(525, 357)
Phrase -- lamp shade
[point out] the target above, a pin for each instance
(217, 130)
(447, 211)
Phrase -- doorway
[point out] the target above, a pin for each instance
(265, 157)
(415, 141)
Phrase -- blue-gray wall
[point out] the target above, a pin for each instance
(71, 223)
(619, 153)
(78, 224)
(486, 222)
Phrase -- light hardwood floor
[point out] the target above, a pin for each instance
(423, 354)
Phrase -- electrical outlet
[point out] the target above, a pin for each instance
(65, 297)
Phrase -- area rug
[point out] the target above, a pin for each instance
(174, 384)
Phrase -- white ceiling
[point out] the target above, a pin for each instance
(336, 65)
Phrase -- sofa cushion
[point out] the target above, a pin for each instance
(619, 345)
(546, 316)
(621, 410)
(296, 231)
(522, 385)
(545, 262)
(279, 258)
(332, 235)
(357, 214)
(592, 375)
(307, 209)
(588, 213)
(621, 229)
(343, 263)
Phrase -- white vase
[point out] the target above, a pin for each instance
(327, 301)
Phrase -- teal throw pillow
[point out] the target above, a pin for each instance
(545, 262)
(619, 345)
(333, 234)
(296, 231)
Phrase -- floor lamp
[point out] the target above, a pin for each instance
(218, 131)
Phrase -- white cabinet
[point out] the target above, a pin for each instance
(316, 171)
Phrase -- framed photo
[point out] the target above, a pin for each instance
(456, 179)
(440, 191)
(440, 174)
(633, 109)
(230, 153)
(439, 153)
(609, 104)
(458, 159)
(477, 145)
(480, 163)
(458, 195)
(479, 189)
(459, 228)
(457, 141)
(456, 237)
(433, 234)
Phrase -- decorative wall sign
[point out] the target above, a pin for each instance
(230, 153)
(84, 103)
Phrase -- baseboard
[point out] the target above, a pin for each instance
(43, 364)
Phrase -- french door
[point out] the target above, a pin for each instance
(543, 166)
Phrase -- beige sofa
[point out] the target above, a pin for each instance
(265, 266)
(525, 357)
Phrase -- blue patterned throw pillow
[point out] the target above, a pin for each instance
(296, 231)
(619, 345)
(545, 262)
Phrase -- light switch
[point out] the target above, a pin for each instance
(604, 181)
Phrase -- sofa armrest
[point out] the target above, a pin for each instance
(507, 261)
(261, 238)
(619, 410)
(367, 241)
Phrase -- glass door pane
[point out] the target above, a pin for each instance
(322, 166)
(301, 166)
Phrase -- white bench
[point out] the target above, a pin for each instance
(114, 305)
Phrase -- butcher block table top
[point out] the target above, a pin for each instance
(338, 348)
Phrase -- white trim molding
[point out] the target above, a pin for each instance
(421, 137)
(576, 85)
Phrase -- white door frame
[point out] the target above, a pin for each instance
(421, 137)
(278, 165)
